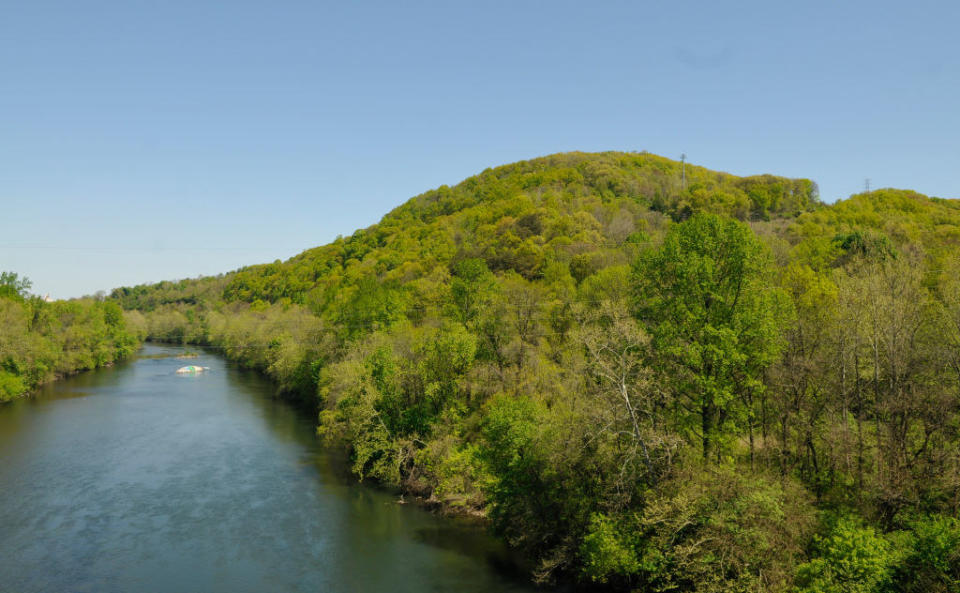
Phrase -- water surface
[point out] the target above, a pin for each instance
(135, 479)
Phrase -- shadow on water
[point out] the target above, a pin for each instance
(471, 540)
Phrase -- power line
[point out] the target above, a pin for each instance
(248, 248)
(135, 248)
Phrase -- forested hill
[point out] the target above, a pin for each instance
(577, 206)
(648, 375)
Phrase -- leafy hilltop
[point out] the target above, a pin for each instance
(647, 375)
(577, 206)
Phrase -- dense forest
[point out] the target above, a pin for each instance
(649, 376)
(41, 341)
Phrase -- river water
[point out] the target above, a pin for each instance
(136, 479)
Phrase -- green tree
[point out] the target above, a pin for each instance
(713, 313)
(931, 560)
(14, 286)
(470, 287)
(850, 559)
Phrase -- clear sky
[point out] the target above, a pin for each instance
(148, 140)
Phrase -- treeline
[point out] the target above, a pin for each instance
(645, 384)
(41, 341)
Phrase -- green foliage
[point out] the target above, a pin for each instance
(880, 218)
(458, 472)
(708, 531)
(852, 558)
(41, 341)
(931, 557)
(542, 492)
(470, 287)
(642, 383)
(609, 550)
(725, 531)
(10, 386)
(373, 449)
(13, 286)
(714, 315)
(864, 245)
(516, 217)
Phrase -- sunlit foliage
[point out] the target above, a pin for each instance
(40, 341)
(644, 383)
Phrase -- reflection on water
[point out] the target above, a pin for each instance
(135, 479)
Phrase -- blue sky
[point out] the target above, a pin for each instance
(142, 141)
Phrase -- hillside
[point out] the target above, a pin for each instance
(634, 368)
(578, 207)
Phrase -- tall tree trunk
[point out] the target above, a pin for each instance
(707, 419)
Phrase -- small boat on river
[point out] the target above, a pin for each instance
(191, 369)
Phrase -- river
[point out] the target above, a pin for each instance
(136, 479)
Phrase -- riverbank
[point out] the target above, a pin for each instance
(58, 377)
(414, 490)
(208, 482)
(42, 342)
